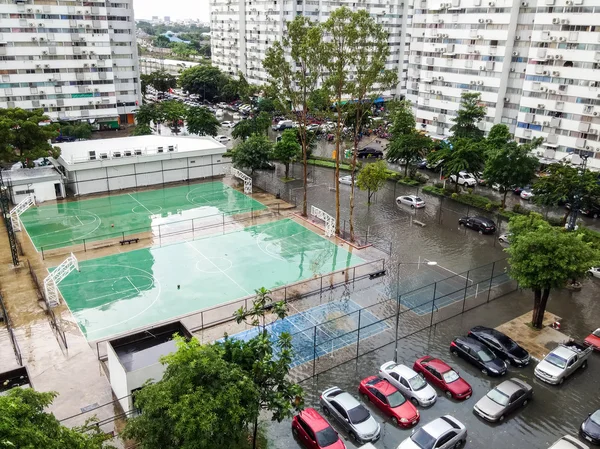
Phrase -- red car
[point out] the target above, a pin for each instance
(314, 432)
(593, 340)
(389, 400)
(444, 377)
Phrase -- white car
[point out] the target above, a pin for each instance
(227, 124)
(347, 180)
(527, 194)
(413, 201)
(445, 432)
(568, 442)
(222, 139)
(411, 384)
(464, 179)
(595, 272)
(504, 238)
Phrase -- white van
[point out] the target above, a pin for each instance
(283, 124)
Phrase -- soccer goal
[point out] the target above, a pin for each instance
(328, 219)
(16, 212)
(53, 279)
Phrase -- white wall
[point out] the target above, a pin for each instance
(118, 379)
(43, 191)
(135, 379)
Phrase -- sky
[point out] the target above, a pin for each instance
(176, 9)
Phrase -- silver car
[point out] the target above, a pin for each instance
(411, 384)
(568, 442)
(413, 201)
(347, 180)
(350, 414)
(504, 399)
(446, 432)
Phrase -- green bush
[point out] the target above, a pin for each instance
(439, 185)
(454, 196)
(329, 164)
(433, 190)
(408, 182)
(555, 221)
(518, 209)
(227, 154)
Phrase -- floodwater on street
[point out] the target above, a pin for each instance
(555, 411)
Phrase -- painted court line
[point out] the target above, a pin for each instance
(130, 281)
(218, 268)
(135, 199)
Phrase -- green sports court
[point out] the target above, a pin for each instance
(69, 223)
(122, 292)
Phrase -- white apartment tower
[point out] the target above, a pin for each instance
(75, 59)
(242, 30)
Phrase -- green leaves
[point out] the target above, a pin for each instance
(202, 122)
(254, 153)
(372, 178)
(288, 149)
(257, 124)
(204, 80)
(160, 80)
(470, 113)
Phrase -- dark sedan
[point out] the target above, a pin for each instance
(369, 152)
(479, 355)
(590, 428)
(481, 224)
(501, 345)
(591, 211)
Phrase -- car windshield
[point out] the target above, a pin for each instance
(467, 176)
(423, 439)
(596, 333)
(450, 376)
(358, 414)
(498, 397)
(418, 199)
(485, 355)
(396, 399)
(596, 417)
(327, 437)
(417, 383)
(556, 360)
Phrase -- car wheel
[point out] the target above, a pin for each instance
(394, 421)
(484, 371)
(480, 232)
(561, 381)
(501, 418)
(595, 215)
(584, 364)
(366, 397)
(448, 394)
(326, 411)
(414, 401)
(525, 402)
(501, 240)
(412, 206)
(354, 437)
(295, 432)
(453, 352)
(459, 444)
(460, 224)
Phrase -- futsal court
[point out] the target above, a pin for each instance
(126, 291)
(68, 223)
(331, 326)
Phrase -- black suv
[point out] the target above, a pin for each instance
(479, 355)
(482, 224)
(501, 345)
(369, 152)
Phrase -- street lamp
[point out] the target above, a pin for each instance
(430, 263)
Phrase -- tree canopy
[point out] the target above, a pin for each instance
(204, 80)
(372, 178)
(467, 119)
(25, 425)
(462, 155)
(256, 124)
(253, 153)
(24, 136)
(173, 113)
(160, 80)
(202, 402)
(288, 149)
(201, 121)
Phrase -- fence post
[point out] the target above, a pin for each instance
(123, 233)
(367, 235)
(433, 303)
(43, 258)
(84, 248)
(398, 302)
(491, 280)
(465, 295)
(223, 216)
(358, 334)
(314, 350)
(202, 320)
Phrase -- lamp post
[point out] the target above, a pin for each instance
(572, 223)
(430, 263)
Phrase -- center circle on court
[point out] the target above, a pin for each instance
(146, 209)
(214, 265)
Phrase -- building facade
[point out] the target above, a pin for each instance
(77, 60)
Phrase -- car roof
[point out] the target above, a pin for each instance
(404, 371)
(568, 442)
(346, 400)
(470, 341)
(508, 387)
(438, 364)
(563, 352)
(384, 387)
(437, 427)
(314, 419)
(415, 197)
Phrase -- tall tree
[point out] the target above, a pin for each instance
(173, 113)
(567, 184)
(267, 358)
(146, 114)
(287, 150)
(371, 78)
(256, 124)
(201, 121)
(542, 258)
(161, 41)
(339, 59)
(25, 424)
(161, 81)
(295, 79)
(469, 114)
(509, 164)
(203, 401)
(203, 80)
(372, 178)
(461, 155)
(253, 153)
(25, 136)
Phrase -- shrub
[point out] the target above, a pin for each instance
(438, 185)
(454, 196)
(470, 190)
(408, 182)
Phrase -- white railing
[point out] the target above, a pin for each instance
(124, 154)
(328, 219)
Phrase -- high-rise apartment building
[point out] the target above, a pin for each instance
(242, 30)
(75, 59)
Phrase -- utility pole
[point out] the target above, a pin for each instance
(572, 223)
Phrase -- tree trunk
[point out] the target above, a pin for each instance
(287, 170)
(539, 306)
(369, 194)
(304, 139)
(566, 216)
(338, 136)
(255, 433)
(406, 169)
(353, 173)
(504, 199)
(456, 184)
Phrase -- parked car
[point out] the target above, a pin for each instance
(591, 211)
(527, 194)
(283, 125)
(389, 400)
(411, 384)
(440, 374)
(594, 272)
(518, 190)
(504, 399)
(481, 224)
(350, 414)
(435, 166)
(568, 442)
(222, 139)
(593, 339)
(441, 433)
(62, 138)
(227, 124)
(501, 345)
(504, 238)
(562, 361)
(422, 164)
(413, 201)
(479, 355)
(464, 179)
(347, 180)
(314, 432)
(590, 428)
(369, 152)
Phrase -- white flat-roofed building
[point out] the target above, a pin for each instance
(109, 165)
(45, 183)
